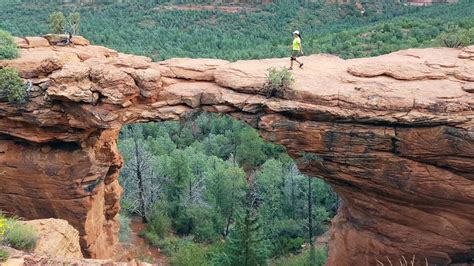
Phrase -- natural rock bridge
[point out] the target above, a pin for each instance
(394, 134)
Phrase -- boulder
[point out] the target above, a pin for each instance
(56, 238)
(35, 42)
(79, 40)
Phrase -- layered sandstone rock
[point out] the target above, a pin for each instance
(56, 238)
(393, 135)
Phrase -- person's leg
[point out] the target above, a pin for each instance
(291, 62)
(299, 62)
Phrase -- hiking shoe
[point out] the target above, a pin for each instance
(301, 65)
(290, 68)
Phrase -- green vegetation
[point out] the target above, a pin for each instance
(279, 81)
(17, 235)
(4, 255)
(59, 24)
(160, 30)
(8, 48)
(125, 230)
(11, 85)
(456, 36)
(309, 257)
(210, 186)
(189, 254)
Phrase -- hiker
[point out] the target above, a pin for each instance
(296, 49)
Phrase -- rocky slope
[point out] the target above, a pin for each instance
(393, 135)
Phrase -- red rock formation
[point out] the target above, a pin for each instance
(393, 135)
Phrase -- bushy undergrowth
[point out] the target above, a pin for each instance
(125, 230)
(20, 236)
(159, 223)
(279, 81)
(189, 254)
(181, 251)
(11, 85)
(16, 235)
(456, 36)
(4, 255)
(309, 257)
(8, 48)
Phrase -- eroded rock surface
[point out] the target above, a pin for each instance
(56, 238)
(393, 135)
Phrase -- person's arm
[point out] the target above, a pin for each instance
(301, 49)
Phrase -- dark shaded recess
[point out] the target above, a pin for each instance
(65, 146)
(467, 258)
(68, 146)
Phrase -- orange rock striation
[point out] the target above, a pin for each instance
(393, 135)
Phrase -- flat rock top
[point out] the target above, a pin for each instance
(417, 83)
(404, 80)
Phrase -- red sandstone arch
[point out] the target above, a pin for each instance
(395, 135)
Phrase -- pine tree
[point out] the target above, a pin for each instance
(246, 245)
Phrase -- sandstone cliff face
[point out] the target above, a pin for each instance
(393, 135)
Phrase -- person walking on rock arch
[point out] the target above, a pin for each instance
(296, 49)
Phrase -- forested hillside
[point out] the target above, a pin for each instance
(160, 30)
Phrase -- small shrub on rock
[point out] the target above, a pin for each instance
(11, 85)
(8, 47)
(279, 81)
(19, 236)
(456, 37)
(4, 255)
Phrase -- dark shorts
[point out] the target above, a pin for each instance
(295, 54)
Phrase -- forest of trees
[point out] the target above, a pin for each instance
(211, 178)
(263, 31)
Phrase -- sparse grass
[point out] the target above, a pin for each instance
(146, 259)
(4, 255)
(403, 261)
(19, 236)
(309, 257)
(125, 230)
(279, 81)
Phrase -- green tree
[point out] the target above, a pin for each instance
(226, 190)
(73, 20)
(246, 244)
(57, 22)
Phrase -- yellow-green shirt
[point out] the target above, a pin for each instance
(297, 44)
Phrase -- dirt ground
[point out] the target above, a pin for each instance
(138, 249)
